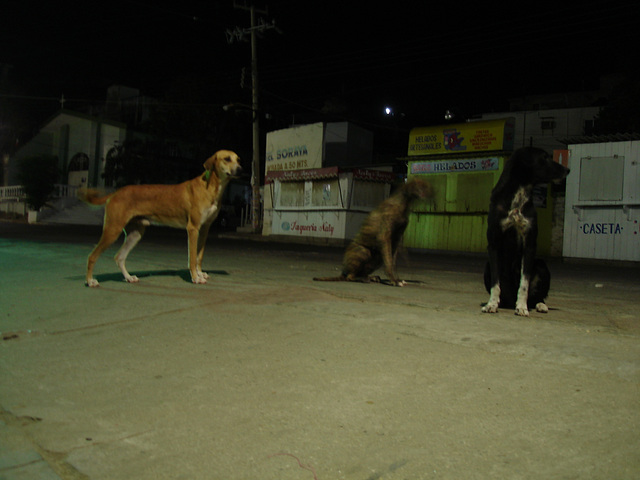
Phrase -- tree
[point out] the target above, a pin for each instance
(38, 175)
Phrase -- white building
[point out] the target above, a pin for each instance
(547, 129)
(80, 142)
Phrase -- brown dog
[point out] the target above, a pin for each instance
(193, 205)
(377, 241)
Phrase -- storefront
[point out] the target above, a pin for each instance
(319, 183)
(602, 209)
(463, 163)
(325, 205)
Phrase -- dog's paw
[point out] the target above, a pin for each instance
(199, 280)
(131, 279)
(542, 307)
(490, 308)
(92, 283)
(522, 311)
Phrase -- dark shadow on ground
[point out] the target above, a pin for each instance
(184, 274)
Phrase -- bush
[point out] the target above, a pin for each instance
(38, 176)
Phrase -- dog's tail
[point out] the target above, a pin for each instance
(341, 278)
(92, 196)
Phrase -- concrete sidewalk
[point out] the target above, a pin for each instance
(265, 374)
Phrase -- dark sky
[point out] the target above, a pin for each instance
(420, 57)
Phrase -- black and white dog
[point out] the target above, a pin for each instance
(514, 276)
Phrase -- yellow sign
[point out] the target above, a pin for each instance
(459, 138)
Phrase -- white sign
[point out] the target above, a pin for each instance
(296, 148)
(454, 166)
(308, 224)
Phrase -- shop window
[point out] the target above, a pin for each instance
(439, 200)
(325, 193)
(367, 194)
(474, 192)
(601, 178)
(292, 194)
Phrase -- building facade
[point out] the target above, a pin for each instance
(81, 143)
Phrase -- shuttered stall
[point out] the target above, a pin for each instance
(462, 162)
(327, 204)
(602, 209)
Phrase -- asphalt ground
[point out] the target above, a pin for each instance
(264, 374)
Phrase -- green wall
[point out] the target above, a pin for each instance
(456, 218)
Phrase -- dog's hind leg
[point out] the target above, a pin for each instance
(539, 287)
(134, 232)
(528, 272)
(109, 235)
(542, 307)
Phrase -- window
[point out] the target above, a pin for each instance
(601, 178)
(292, 194)
(439, 201)
(79, 162)
(325, 193)
(367, 194)
(474, 192)
(547, 123)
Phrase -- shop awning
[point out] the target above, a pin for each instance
(374, 175)
(329, 172)
(302, 175)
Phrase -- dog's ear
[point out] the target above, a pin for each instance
(209, 167)
(210, 163)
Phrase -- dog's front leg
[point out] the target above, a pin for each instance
(202, 241)
(523, 295)
(388, 257)
(494, 296)
(192, 232)
(525, 279)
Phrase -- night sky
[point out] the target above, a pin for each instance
(419, 57)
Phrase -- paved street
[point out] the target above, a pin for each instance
(264, 374)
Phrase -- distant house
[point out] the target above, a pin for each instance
(81, 143)
(547, 129)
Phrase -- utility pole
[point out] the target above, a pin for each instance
(255, 168)
(240, 34)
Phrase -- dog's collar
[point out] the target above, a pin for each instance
(207, 175)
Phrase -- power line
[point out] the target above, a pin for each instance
(527, 38)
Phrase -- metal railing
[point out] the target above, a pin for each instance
(16, 192)
(11, 193)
